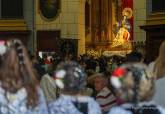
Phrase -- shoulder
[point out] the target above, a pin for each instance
(93, 106)
(62, 106)
(60, 103)
(46, 77)
(47, 80)
(119, 110)
(2, 92)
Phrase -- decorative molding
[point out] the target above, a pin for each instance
(11, 25)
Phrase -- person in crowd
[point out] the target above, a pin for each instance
(19, 88)
(49, 87)
(134, 57)
(133, 84)
(71, 79)
(102, 64)
(157, 67)
(38, 67)
(104, 96)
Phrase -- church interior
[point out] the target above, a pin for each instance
(85, 26)
(82, 56)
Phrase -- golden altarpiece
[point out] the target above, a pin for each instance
(100, 24)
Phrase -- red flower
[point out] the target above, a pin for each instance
(119, 72)
(2, 42)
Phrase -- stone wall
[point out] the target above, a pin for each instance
(70, 21)
(139, 13)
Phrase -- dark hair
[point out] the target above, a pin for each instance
(74, 79)
(133, 82)
(134, 57)
(16, 71)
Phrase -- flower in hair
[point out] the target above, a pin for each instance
(115, 82)
(119, 72)
(117, 76)
(2, 47)
(58, 78)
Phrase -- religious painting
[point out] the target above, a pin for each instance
(49, 9)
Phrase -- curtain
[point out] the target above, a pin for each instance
(129, 4)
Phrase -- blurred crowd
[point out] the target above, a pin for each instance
(52, 84)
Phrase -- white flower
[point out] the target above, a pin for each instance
(2, 49)
(76, 74)
(60, 74)
(58, 78)
(115, 82)
(59, 83)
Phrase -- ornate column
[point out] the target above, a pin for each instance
(95, 17)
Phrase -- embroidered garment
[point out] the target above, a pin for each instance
(66, 105)
(16, 103)
(143, 108)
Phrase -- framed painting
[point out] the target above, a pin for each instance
(49, 9)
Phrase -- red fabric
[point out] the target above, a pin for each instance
(129, 4)
(126, 35)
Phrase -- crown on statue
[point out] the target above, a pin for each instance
(127, 12)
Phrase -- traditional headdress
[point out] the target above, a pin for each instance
(70, 76)
(3, 47)
(132, 81)
(17, 44)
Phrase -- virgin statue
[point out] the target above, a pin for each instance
(123, 35)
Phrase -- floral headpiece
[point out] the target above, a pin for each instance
(138, 71)
(117, 76)
(62, 72)
(59, 75)
(3, 47)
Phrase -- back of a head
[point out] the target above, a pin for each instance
(131, 82)
(16, 70)
(70, 77)
(134, 57)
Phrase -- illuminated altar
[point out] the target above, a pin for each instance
(110, 26)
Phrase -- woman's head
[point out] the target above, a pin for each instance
(131, 83)
(16, 70)
(70, 77)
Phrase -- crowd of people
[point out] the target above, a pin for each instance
(86, 85)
